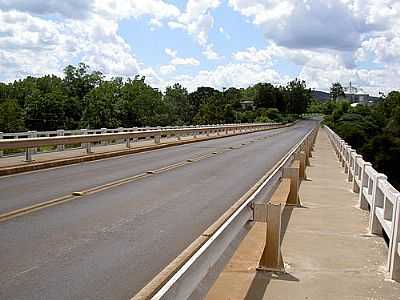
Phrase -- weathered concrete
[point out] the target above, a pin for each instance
(326, 249)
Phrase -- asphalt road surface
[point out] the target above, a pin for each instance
(109, 244)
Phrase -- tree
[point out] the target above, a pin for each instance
(265, 95)
(336, 91)
(11, 118)
(176, 97)
(297, 97)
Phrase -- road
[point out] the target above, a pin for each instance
(109, 244)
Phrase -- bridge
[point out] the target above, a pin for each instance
(251, 211)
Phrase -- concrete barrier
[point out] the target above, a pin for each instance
(377, 195)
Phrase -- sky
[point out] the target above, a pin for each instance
(217, 43)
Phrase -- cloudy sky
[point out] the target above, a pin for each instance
(217, 43)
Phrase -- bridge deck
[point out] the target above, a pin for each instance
(327, 251)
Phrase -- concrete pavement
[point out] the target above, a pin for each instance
(326, 249)
(109, 244)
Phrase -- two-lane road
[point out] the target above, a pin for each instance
(109, 244)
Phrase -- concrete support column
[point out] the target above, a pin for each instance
(60, 132)
(377, 200)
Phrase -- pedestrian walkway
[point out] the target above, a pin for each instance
(326, 248)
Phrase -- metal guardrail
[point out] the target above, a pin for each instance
(32, 140)
(375, 194)
(183, 275)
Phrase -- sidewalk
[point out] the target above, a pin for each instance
(327, 251)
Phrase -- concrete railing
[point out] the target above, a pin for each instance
(86, 138)
(377, 195)
(183, 275)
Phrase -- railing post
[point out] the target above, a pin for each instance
(33, 134)
(363, 203)
(394, 251)
(128, 142)
(60, 132)
(103, 131)
(374, 224)
(1, 137)
(88, 146)
(356, 188)
(157, 139)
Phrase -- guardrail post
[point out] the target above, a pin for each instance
(128, 142)
(1, 137)
(394, 252)
(374, 225)
(60, 132)
(207, 132)
(293, 173)
(33, 134)
(194, 134)
(178, 136)
(301, 156)
(363, 203)
(271, 259)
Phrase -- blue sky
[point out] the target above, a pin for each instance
(216, 43)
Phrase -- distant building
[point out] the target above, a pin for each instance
(247, 104)
(358, 98)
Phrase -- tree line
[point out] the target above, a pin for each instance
(373, 130)
(86, 99)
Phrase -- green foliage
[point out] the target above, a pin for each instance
(11, 116)
(374, 131)
(85, 99)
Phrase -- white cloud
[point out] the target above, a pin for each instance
(197, 21)
(66, 8)
(167, 69)
(233, 74)
(35, 46)
(117, 9)
(209, 53)
(175, 60)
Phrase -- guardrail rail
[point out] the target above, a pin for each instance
(86, 138)
(377, 195)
